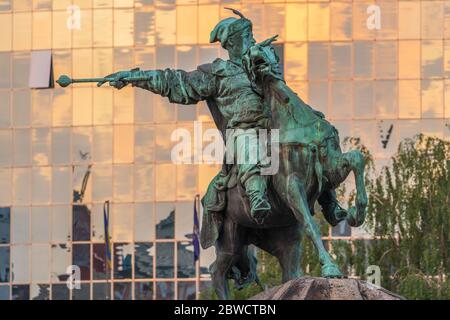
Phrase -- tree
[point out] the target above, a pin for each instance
(408, 219)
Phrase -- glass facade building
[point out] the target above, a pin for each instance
(379, 70)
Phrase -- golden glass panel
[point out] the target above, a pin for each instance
(20, 228)
(102, 62)
(341, 100)
(432, 58)
(447, 99)
(209, 17)
(165, 181)
(61, 258)
(42, 26)
(42, 4)
(81, 146)
(389, 20)
(363, 103)
(21, 186)
(62, 36)
(409, 59)
(82, 64)
(61, 145)
(143, 183)
(186, 24)
(22, 31)
(20, 69)
(102, 183)
(144, 149)
(102, 3)
(206, 172)
(40, 185)
(123, 27)
(144, 224)
(274, 21)
(97, 223)
(123, 183)
(42, 107)
(123, 143)
(5, 185)
(432, 98)
(447, 58)
(408, 17)
(341, 60)
(165, 25)
(163, 142)
(103, 105)
(318, 95)
(432, 19)
(61, 4)
(40, 224)
(6, 27)
(23, 5)
(82, 38)
(5, 109)
(21, 108)
(122, 225)
(253, 11)
(341, 21)
(103, 28)
(6, 142)
(22, 147)
(61, 185)
(446, 20)
(296, 22)
(318, 53)
(432, 127)
(61, 223)
(82, 106)
(186, 182)
(386, 59)
(40, 139)
(84, 4)
(144, 27)
(386, 97)
(62, 107)
(124, 106)
(318, 21)
(409, 99)
(123, 3)
(296, 61)
(20, 263)
(103, 144)
(360, 16)
(365, 130)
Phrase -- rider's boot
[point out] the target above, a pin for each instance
(256, 187)
(332, 211)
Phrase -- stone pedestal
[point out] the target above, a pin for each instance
(309, 288)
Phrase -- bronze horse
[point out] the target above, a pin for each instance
(311, 162)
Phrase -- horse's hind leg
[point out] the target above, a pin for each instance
(229, 247)
(298, 202)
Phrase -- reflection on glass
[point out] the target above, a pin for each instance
(143, 290)
(82, 184)
(124, 105)
(165, 220)
(122, 225)
(21, 66)
(363, 99)
(4, 264)
(166, 182)
(5, 185)
(40, 263)
(61, 229)
(186, 290)
(144, 143)
(122, 291)
(99, 262)
(22, 147)
(144, 27)
(386, 98)
(165, 24)
(317, 61)
(363, 59)
(81, 258)
(21, 108)
(61, 184)
(6, 143)
(164, 260)
(22, 31)
(21, 292)
(84, 293)
(101, 291)
(5, 70)
(20, 225)
(82, 106)
(432, 98)
(60, 292)
(59, 261)
(103, 105)
(432, 58)
(184, 220)
(143, 263)
(144, 226)
(186, 264)
(386, 64)
(21, 183)
(41, 177)
(41, 146)
(143, 182)
(341, 61)
(20, 263)
(4, 292)
(123, 27)
(81, 144)
(122, 260)
(61, 145)
(186, 181)
(40, 224)
(103, 146)
(5, 224)
(62, 107)
(5, 109)
(81, 223)
(83, 37)
(164, 290)
(103, 28)
(123, 183)
(123, 143)
(207, 257)
(101, 183)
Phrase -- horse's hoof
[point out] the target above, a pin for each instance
(331, 270)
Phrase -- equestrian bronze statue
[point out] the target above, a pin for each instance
(244, 205)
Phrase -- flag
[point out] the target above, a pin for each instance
(107, 238)
(195, 232)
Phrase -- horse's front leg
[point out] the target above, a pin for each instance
(298, 202)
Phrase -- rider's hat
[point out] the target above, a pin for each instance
(228, 27)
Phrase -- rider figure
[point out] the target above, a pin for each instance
(227, 83)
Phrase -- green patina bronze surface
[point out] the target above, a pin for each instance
(242, 207)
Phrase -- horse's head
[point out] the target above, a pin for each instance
(261, 64)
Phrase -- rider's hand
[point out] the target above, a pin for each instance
(117, 79)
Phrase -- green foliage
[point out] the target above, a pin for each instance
(408, 216)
